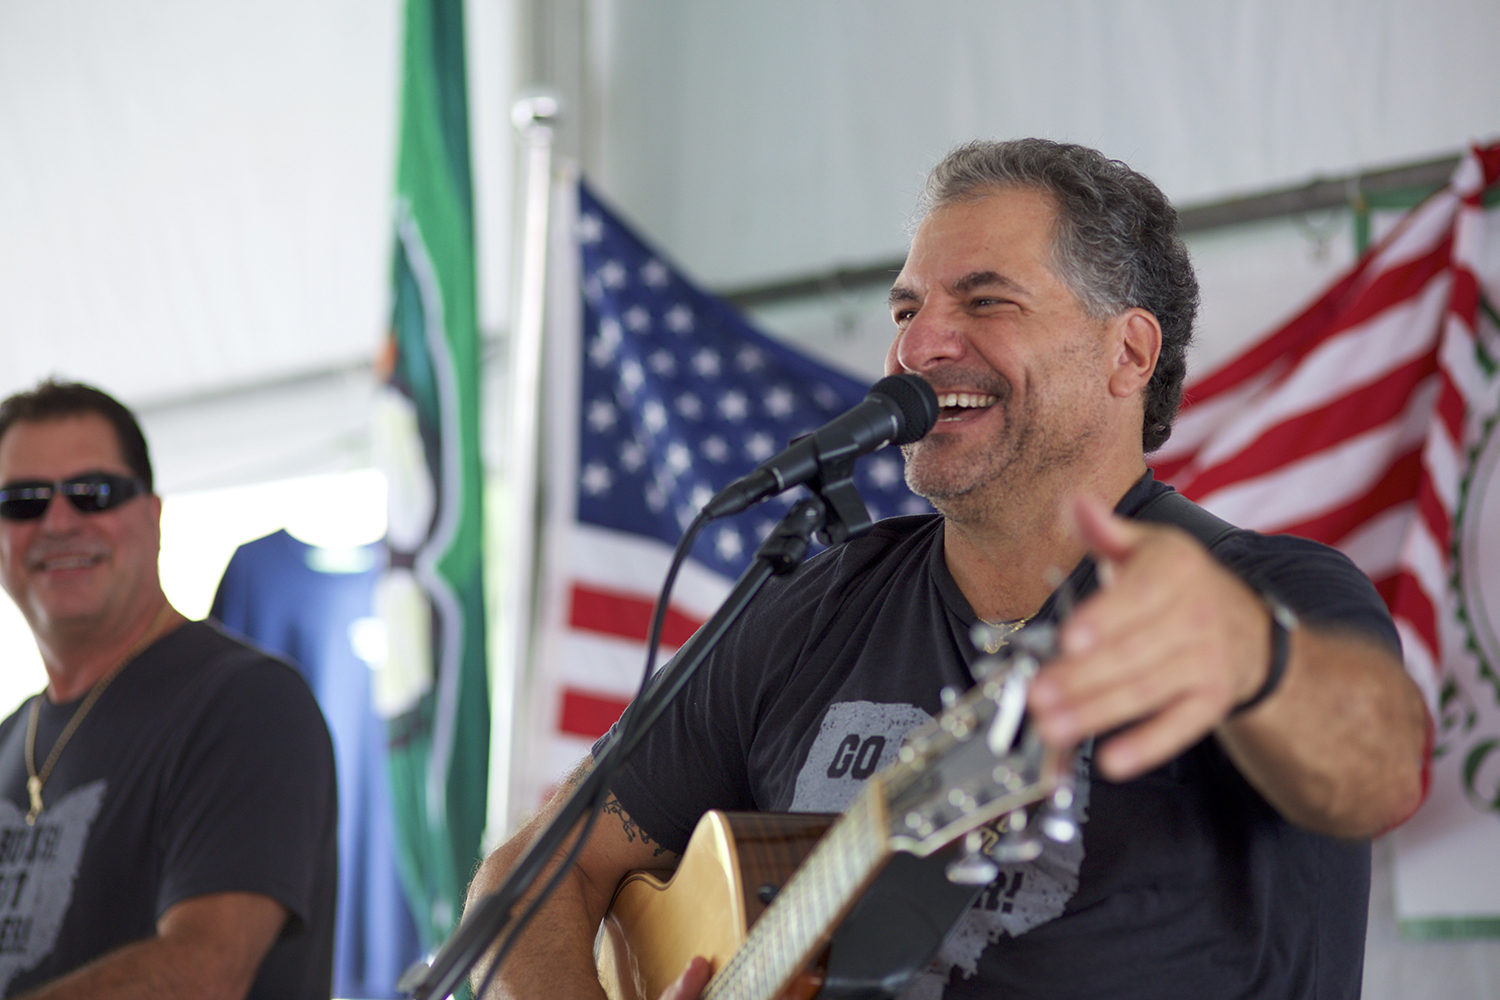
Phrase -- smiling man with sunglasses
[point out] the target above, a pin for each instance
(167, 804)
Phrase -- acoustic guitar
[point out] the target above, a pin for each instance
(761, 895)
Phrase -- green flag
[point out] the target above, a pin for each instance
(433, 688)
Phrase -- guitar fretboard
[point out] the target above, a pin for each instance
(798, 923)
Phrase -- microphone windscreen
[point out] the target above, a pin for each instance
(916, 401)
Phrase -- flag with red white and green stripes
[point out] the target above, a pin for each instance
(1365, 422)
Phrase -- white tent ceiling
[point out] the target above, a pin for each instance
(194, 197)
(774, 137)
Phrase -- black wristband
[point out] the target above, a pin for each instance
(1282, 623)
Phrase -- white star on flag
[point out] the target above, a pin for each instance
(760, 446)
(590, 229)
(637, 320)
(780, 402)
(655, 274)
(734, 406)
(601, 415)
(612, 275)
(706, 363)
(596, 479)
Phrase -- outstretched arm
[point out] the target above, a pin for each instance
(1172, 642)
(555, 955)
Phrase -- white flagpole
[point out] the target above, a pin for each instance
(534, 118)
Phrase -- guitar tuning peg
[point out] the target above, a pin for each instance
(973, 867)
(1059, 819)
(1015, 847)
(1060, 828)
(1009, 697)
(1017, 842)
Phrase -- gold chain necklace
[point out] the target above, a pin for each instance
(1000, 632)
(36, 779)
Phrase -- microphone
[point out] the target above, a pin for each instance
(898, 409)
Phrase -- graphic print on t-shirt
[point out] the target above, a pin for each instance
(38, 866)
(858, 738)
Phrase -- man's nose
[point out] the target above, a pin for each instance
(60, 516)
(930, 338)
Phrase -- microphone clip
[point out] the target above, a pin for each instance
(846, 515)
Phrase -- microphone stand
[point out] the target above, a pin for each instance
(834, 512)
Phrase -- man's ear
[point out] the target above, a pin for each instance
(153, 502)
(1137, 345)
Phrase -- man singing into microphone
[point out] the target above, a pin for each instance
(1242, 718)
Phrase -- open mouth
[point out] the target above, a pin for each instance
(957, 405)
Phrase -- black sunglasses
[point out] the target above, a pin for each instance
(90, 493)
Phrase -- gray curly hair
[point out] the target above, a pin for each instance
(1116, 246)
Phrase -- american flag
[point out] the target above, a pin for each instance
(662, 395)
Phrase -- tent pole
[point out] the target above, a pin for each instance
(534, 118)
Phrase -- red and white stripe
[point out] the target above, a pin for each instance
(1350, 423)
(611, 594)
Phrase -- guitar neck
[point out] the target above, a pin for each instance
(800, 920)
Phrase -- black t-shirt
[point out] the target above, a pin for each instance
(204, 767)
(1185, 882)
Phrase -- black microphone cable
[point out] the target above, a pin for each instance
(626, 732)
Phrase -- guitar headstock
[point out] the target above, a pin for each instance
(978, 773)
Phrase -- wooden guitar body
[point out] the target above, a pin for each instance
(733, 864)
(774, 902)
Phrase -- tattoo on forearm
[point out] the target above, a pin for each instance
(633, 831)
